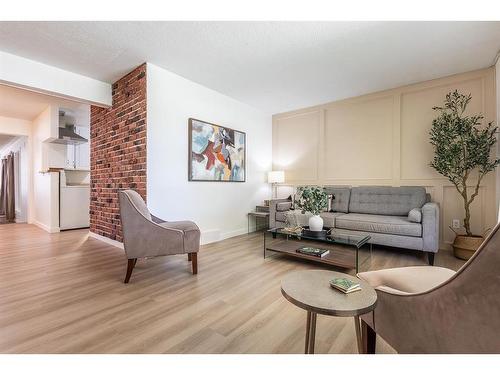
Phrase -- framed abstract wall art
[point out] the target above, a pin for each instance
(216, 153)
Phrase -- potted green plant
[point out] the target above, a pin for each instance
(463, 145)
(312, 199)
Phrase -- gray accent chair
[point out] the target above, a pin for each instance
(381, 212)
(436, 310)
(145, 235)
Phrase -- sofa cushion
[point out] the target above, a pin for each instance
(384, 200)
(340, 201)
(298, 218)
(398, 225)
(283, 206)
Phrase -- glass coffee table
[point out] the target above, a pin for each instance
(345, 250)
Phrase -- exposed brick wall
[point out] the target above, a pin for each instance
(117, 152)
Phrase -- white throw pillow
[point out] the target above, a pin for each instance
(415, 215)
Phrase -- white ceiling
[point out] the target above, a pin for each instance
(27, 105)
(274, 66)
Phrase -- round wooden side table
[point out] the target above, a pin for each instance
(310, 290)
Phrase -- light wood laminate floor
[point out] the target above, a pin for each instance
(64, 293)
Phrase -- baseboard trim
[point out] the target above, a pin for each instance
(212, 236)
(46, 227)
(107, 240)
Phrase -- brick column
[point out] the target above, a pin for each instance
(117, 152)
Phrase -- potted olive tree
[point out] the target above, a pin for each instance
(463, 145)
(312, 199)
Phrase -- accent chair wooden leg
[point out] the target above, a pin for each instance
(430, 258)
(130, 267)
(369, 337)
(189, 257)
(194, 260)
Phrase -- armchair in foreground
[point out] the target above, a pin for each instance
(436, 310)
(145, 235)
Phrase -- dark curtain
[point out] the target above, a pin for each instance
(7, 189)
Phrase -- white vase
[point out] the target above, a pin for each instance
(316, 223)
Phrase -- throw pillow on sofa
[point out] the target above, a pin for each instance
(415, 215)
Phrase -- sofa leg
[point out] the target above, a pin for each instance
(430, 258)
(130, 267)
(194, 259)
(369, 337)
(189, 257)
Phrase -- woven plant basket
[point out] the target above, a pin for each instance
(465, 246)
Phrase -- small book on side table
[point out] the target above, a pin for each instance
(344, 285)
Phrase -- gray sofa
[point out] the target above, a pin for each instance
(381, 212)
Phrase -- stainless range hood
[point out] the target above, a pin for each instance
(67, 135)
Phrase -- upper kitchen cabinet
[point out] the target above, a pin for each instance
(78, 155)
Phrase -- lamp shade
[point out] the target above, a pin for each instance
(275, 177)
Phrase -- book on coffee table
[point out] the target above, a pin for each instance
(345, 285)
(320, 253)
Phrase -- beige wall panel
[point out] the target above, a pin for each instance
(416, 122)
(453, 208)
(358, 140)
(296, 146)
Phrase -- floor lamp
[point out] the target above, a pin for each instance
(275, 178)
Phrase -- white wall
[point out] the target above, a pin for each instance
(219, 208)
(28, 74)
(45, 185)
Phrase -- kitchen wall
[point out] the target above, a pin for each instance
(383, 139)
(219, 208)
(118, 152)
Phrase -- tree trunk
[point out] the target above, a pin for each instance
(467, 218)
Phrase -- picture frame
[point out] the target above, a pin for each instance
(216, 153)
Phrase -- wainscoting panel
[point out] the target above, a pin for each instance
(358, 139)
(383, 139)
(296, 145)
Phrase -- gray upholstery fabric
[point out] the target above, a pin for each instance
(144, 237)
(415, 215)
(405, 242)
(283, 206)
(273, 223)
(138, 203)
(340, 202)
(382, 200)
(191, 234)
(399, 225)
(430, 227)
(281, 216)
(303, 219)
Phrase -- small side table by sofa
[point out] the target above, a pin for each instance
(257, 215)
(310, 290)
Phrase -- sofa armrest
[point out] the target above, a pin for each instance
(430, 227)
(273, 209)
